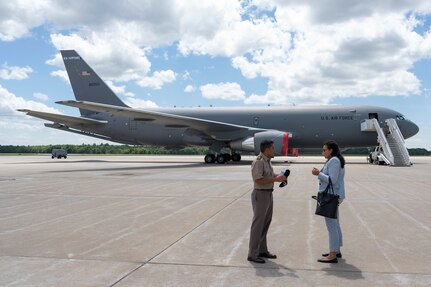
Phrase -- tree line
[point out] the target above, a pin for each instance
(103, 149)
(126, 149)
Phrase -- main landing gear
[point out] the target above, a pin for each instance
(222, 157)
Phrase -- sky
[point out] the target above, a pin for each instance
(166, 53)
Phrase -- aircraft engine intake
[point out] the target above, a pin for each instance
(279, 138)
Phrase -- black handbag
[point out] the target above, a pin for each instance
(327, 202)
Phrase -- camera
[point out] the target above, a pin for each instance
(286, 173)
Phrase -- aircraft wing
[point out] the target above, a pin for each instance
(213, 129)
(63, 119)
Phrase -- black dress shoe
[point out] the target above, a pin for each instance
(268, 255)
(335, 260)
(255, 259)
(338, 255)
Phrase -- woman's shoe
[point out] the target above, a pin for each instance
(338, 255)
(335, 260)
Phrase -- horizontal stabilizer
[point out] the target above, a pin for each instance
(63, 119)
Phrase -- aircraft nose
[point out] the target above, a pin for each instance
(411, 129)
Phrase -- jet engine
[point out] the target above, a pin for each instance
(279, 138)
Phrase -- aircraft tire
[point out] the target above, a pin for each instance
(221, 158)
(227, 157)
(209, 158)
(236, 157)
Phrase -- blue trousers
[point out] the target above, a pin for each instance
(334, 232)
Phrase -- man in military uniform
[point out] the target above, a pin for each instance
(261, 200)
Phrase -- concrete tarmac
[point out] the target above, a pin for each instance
(175, 221)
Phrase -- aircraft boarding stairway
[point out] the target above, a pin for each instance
(391, 140)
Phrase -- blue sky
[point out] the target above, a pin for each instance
(222, 53)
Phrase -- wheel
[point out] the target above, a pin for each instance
(65, 156)
(52, 156)
(209, 158)
(221, 158)
(227, 157)
(236, 157)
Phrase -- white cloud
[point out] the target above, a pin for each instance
(158, 79)
(189, 89)
(18, 129)
(313, 57)
(62, 74)
(17, 18)
(237, 39)
(140, 104)
(224, 91)
(9, 103)
(203, 19)
(41, 96)
(248, 69)
(186, 75)
(119, 89)
(105, 55)
(17, 122)
(363, 57)
(14, 72)
(116, 89)
(307, 52)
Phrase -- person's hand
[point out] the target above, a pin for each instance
(280, 178)
(315, 171)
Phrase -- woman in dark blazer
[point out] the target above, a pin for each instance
(334, 169)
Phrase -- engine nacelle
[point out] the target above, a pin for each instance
(279, 138)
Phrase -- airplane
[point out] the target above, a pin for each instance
(227, 131)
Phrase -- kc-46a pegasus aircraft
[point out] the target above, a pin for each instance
(226, 131)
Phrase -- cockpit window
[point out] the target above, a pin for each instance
(400, 118)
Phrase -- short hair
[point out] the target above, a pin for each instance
(265, 144)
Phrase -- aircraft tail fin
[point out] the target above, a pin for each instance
(86, 84)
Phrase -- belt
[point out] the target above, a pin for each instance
(265, 189)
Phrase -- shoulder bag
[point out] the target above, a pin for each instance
(327, 202)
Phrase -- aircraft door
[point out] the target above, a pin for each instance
(255, 121)
(373, 116)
